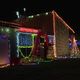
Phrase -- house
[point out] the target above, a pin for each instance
(18, 37)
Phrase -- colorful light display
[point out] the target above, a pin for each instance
(28, 30)
(25, 41)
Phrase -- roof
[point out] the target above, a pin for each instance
(2, 23)
(55, 14)
(17, 24)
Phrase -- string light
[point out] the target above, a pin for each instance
(7, 29)
(2, 29)
(46, 13)
(28, 30)
(24, 9)
(25, 46)
(17, 13)
(3, 66)
(30, 16)
(38, 15)
(64, 22)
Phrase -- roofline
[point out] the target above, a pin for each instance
(19, 25)
(11, 23)
(63, 21)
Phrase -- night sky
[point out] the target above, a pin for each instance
(67, 9)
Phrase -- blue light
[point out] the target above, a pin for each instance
(25, 40)
(2, 37)
(78, 42)
(70, 45)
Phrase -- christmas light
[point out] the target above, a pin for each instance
(2, 29)
(38, 15)
(21, 41)
(46, 13)
(30, 16)
(27, 30)
(24, 9)
(17, 13)
(7, 30)
(64, 22)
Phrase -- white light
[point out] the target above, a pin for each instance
(38, 15)
(46, 13)
(24, 9)
(17, 36)
(17, 13)
(30, 16)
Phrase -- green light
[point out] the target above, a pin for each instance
(7, 29)
(46, 13)
(19, 48)
(24, 46)
(22, 53)
(2, 29)
(30, 16)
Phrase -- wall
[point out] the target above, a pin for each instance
(62, 38)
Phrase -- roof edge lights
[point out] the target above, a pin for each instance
(28, 30)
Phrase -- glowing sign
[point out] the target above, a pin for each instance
(27, 30)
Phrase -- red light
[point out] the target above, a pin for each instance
(28, 30)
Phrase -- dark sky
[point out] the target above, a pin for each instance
(67, 9)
